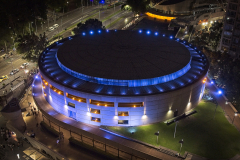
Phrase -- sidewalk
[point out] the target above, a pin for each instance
(229, 112)
(43, 136)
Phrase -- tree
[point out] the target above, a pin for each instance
(30, 45)
(90, 24)
(15, 16)
(54, 4)
(136, 6)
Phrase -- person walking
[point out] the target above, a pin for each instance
(37, 125)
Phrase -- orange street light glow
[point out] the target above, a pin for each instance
(160, 17)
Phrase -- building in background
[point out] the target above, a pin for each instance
(231, 29)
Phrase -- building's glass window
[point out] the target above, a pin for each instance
(72, 114)
(95, 119)
(101, 103)
(95, 111)
(123, 114)
(134, 104)
(44, 81)
(233, 6)
(122, 121)
(71, 104)
(56, 90)
(76, 98)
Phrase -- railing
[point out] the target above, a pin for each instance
(113, 150)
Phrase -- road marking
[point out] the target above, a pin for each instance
(79, 19)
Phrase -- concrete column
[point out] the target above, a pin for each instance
(65, 97)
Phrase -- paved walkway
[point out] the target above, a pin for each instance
(49, 140)
(92, 131)
(229, 112)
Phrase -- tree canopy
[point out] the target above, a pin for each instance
(90, 24)
(30, 45)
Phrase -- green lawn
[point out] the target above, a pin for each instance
(215, 139)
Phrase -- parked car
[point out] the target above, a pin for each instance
(50, 29)
(55, 25)
(14, 71)
(24, 65)
(3, 78)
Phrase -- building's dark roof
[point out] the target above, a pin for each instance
(170, 2)
(50, 69)
(12, 106)
(123, 55)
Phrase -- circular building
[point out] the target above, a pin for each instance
(123, 78)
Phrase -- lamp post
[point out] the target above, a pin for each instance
(175, 128)
(181, 142)
(157, 134)
(215, 110)
(235, 114)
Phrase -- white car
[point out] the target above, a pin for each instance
(55, 25)
(50, 29)
(14, 71)
(24, 65)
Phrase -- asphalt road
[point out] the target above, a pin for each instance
(68, 20)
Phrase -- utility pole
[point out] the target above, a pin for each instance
(36, 25)
(48, 22)
(215, 111)
(175, 129)
(99, 15)
(29, 28)
(5, 46)
(61, 23)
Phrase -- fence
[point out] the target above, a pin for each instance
(113, 150)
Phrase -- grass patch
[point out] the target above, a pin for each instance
(49, 129)
(95, 150)
(214, 139)
(108, 17)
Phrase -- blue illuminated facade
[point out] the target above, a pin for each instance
(128, 83)
(159, 96)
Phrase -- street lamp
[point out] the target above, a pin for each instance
(175, 128)
(157, 134)
(235, 114)
(181, 141)
(215, 110)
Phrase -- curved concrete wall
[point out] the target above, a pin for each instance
(155, 109)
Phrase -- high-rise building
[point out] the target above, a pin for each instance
(231, 29)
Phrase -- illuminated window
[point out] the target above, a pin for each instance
(45, 94)
(56, 90)
(76, 98)
(122, 121)
(95, 111)
(123, 114)
(102, 103)
(95, 119)
(71, 104)
(44, 81)
(135, 104)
